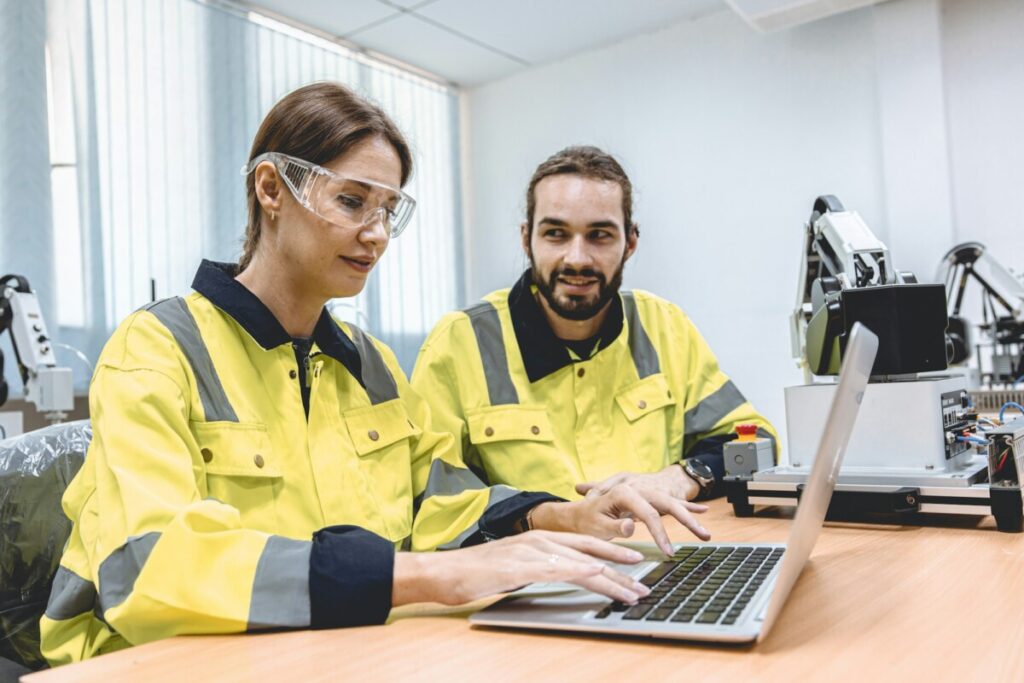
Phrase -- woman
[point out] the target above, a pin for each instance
(233, 426)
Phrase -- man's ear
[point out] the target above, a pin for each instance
(631, 241)
(268, 188)
(524, 236)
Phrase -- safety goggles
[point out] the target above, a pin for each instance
(346, 202)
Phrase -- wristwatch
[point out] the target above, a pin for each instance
(700, 473)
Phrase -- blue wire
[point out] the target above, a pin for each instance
(973, 439)
(1019, 380)
(1010, 404)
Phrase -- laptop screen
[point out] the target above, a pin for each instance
(853, 380)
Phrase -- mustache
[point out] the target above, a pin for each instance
(572, 272)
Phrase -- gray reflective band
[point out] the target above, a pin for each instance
(445, 479)
(70, 596)
(497, 494)
(377, 379)
(121, 569)
(487, 328)
(280, 589)
(645, 358)
(709, 412)
(176, 317)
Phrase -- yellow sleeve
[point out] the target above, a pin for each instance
(713, 405)
(453, 507)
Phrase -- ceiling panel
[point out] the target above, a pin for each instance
(540, 31)
(470, 42)
(330, 16)
(429, 47)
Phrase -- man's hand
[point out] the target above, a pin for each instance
(671, 480)
(611, 514)
(457, 576)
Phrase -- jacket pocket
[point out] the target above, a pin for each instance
(241, 469)
(509, 423)
(381, 436)
(646, 406)
(515, 445)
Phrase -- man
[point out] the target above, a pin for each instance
(565, 385)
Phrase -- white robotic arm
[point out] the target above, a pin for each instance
(47, 385)
(846, 276)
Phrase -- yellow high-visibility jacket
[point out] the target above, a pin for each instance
(529, 414)
(209, 503)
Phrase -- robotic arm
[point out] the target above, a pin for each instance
(1002, 307)
(48, 386)
(846, 276)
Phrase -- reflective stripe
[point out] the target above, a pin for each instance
(445, 479)
(280, 588)
(176, 317)
(377, 379)
(487, 328)
(765, 434)
(122, 567)
(70, 596)
(710, 411)
(497, 494)
(645, 358)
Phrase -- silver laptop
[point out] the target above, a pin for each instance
(723, 592)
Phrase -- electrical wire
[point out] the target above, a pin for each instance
(973, 439)
(1010, 404)
(1002, 459)
(81, 356)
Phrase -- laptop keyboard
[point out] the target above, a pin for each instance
(701, 585)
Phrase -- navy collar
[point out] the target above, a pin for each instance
(543, 353)
(216, 281)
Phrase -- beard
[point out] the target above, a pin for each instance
(573, 307)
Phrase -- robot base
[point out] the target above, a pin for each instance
(1001, 500)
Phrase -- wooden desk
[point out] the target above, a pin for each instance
(893, 603)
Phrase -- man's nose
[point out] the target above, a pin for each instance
(578, 254)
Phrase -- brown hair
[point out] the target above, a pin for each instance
(589, 162)
(317, 123)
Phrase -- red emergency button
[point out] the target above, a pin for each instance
(746, 432)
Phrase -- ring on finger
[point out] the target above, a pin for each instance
(553, 559)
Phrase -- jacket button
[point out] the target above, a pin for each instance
(293, 373)
(258, 460)
(489, 431)
(581, 372)
(207, 454)
(373, 435)
(641, 404)
(535, 429)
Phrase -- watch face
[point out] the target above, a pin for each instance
(701, 469)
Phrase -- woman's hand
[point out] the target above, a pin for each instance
(457, 576)
(611, 514)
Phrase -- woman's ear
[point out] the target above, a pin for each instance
(268, 189)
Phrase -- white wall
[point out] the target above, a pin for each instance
(983, 55)
(729, 136)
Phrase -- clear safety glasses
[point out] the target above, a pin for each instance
(347, 202)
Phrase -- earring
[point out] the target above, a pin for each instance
(273, 216)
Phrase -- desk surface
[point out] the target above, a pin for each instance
(943, 601)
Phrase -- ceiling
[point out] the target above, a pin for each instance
(470, 42)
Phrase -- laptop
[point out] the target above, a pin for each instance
(721, 592)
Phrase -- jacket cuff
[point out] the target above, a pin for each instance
(350, 577)
(499, 519)
(709, 451)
